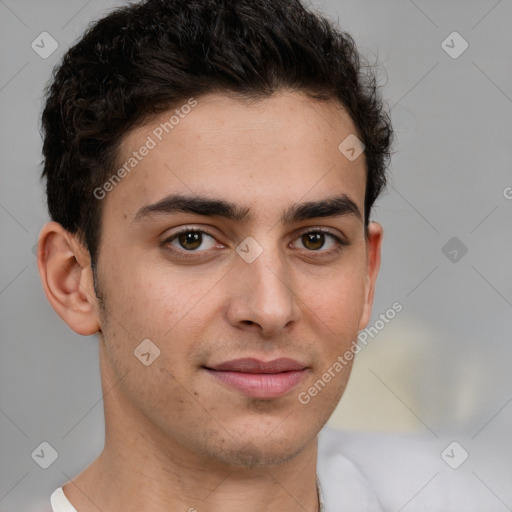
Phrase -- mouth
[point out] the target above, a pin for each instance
(259, 379)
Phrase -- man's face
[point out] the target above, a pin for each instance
(204, 304)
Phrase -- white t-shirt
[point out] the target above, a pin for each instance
(360, 472)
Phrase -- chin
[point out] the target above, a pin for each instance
(260, 453)
(252, 446)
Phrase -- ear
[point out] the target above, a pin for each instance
(65, 268)
(373, 247)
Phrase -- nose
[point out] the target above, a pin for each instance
(262, 297)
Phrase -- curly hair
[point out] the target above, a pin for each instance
(145, 58)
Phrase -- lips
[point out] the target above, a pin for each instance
(259, 379)
(250, 365)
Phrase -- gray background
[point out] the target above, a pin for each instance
(440, 368)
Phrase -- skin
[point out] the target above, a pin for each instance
(174, 433)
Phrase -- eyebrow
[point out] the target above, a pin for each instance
(198, 205)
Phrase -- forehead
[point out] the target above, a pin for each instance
(267, 153)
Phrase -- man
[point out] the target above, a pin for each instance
(211, 168)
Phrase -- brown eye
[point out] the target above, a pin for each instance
(313, 240)
(191, 240)
(320, 241)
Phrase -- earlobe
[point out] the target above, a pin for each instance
(373, 257)
(66, 275)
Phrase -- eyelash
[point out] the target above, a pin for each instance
(340, 243)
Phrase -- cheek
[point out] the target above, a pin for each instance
(337, 301)
(167, 308)
(152, 299)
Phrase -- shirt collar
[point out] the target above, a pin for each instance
(321, 506)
